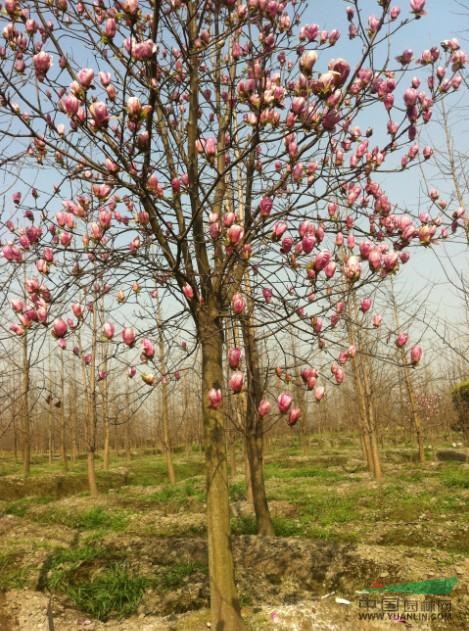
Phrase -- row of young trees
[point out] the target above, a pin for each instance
(197, 178)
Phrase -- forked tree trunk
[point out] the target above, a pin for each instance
(416, 420)
(366, 412)
(255, 434)
(224, 603)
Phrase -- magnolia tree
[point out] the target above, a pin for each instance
(225, 152)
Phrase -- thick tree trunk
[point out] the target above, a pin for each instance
(224, 603)
(255, 434)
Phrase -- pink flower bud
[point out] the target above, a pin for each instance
(265, 206)
(128, 336)
(59, 328)
(319, 393)
(148, 349)
(215, 398)
(238, 303)
(132, 371)
(267, 294)
(234, 357)
(352, 269)
(235, 234)
(418, 7)
(78, 309)
(284, 401)
(264, 408)
(278, 230)
(236, 382)
(108, 330)
(402, 339)
(365, 305)
(188, 291)
(85, 77)
(416, 354)
(294, 416)
(307, 61)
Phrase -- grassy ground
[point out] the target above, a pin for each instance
(81, 549)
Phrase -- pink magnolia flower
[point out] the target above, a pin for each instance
(132, 371)
(278, 230)
(59, 328)
(416, 354)
(215, 398)
(108, 330)
(294, 416)
(236, 382)
(17, 305)
(235, 233)
(319, 393)
(207, 146)
(264, 408)
(129, 6)
(265, 206)
(148, 348)
(307, 61)
(110, 28)
(42, 63)
(234, 357)
(100, 114)
(284, 401)
(352, 269)
(128, 336)
(238, 303)
(418, 7)
(188, 291)
(402, 339)
(339, 375)
(267, 294)
(78, 309)
(365, 304)
(85, 77)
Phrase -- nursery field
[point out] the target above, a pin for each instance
(135, 558)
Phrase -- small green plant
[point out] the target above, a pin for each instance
(96, 581)
(237, 491)
(12, 575)
(244, 525)
(455, 478)
(175, 575)
(93, 519)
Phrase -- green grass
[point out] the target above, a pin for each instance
(96, 518)
(175, 575)
(177, 495)
(455, 477)
(237, 491)
(19, 508)
(12, 575)
(98, 586)
(283, 472)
